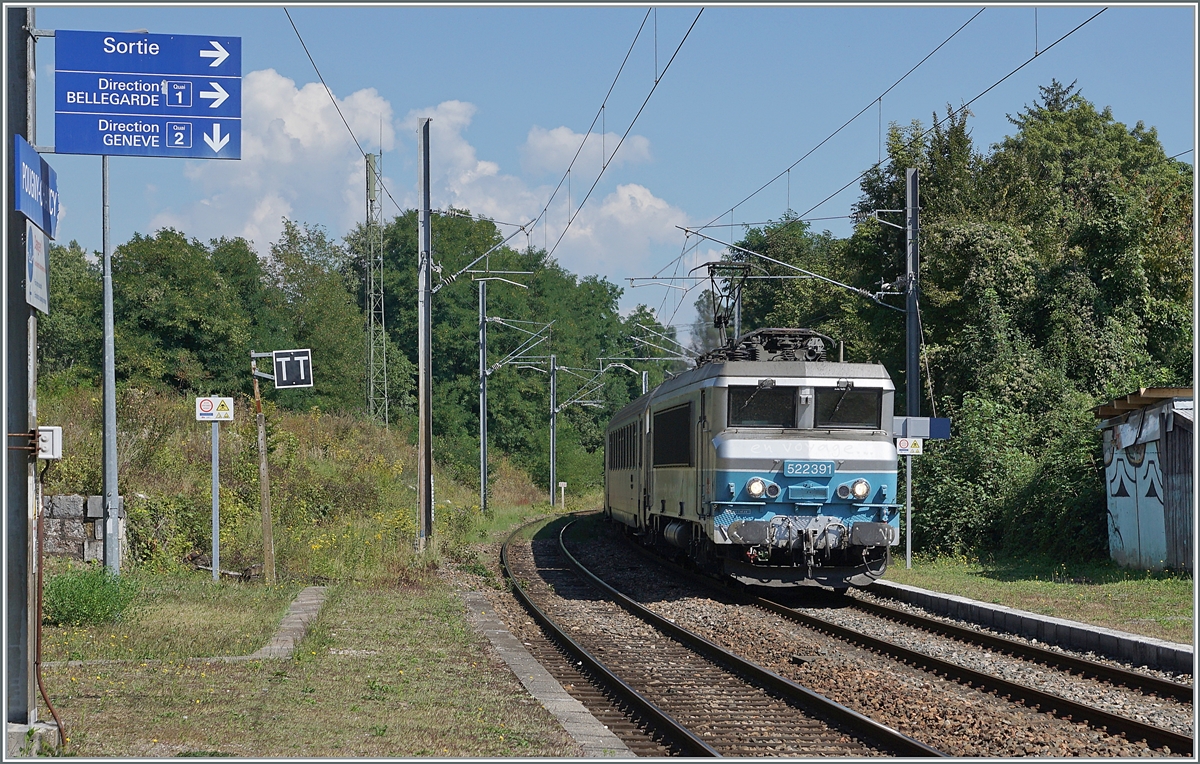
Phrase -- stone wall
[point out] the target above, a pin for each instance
(73, 526)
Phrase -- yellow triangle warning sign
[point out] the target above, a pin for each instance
(222, 406)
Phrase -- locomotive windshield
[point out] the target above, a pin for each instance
(762, 407)
(848, 408)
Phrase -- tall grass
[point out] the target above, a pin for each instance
(343, 490)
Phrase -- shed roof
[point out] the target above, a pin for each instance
(1146, 396)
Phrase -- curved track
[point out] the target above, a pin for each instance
(1112, 723)
(693, 696)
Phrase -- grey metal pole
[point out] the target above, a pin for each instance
(912, 366)
(737, 315)
(424, 359)
(112, 509)
(553, 423)
(20, 393)
(264, 484)
(216, 501)
(483, 464)
(645, 382)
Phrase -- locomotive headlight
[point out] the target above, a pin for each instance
(859, 489)
(756, 487)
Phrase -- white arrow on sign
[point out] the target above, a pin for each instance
(218, 55)
(218, 95)
(216, 141)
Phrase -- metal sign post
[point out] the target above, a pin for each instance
(149, 95)
(908, 513)
(908, 448)
(553, 425)
(215, 410)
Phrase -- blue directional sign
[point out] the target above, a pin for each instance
(37, 187)
(122, 93)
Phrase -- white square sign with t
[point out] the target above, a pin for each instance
(293, 368)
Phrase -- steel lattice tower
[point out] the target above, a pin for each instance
(377, 377)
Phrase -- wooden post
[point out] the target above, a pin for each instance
(264, 487)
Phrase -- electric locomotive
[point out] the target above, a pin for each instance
(766, 463)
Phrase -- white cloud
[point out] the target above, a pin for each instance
(551, 151)
(612, 236)
(616, 235)
(298, 160)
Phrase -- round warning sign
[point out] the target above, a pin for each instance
(909, 446)
(214, 409)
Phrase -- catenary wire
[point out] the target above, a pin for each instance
(335, 103)
(571, 217)
(599, 115)
(788, 170)
(849, 121)
(333, 100)
(962, 108)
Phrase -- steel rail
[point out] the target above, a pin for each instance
(1061, 707)
(1163, 688)
(685, 738)
(808, 700)
(1155, 736)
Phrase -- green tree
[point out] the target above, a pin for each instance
(306, 272)
(177, 322)
(70, 336)
(1055, 271)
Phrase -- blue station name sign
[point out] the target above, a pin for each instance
(121, 93)
(37, 187)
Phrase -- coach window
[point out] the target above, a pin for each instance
(848, 408)
(762, 406)
(673, 437)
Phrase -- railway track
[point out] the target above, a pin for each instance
(1115, 675)
(1154, 736)
(1133, 729)
(680, 690)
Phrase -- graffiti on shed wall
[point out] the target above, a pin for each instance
(1136, 520)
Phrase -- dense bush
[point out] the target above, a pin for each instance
(343, 490)
(89, 595)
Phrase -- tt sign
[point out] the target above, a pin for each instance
(293, 368)
(153, 95)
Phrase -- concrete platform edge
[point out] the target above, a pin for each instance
(596, 740)
(28, 740)
(1135, 648)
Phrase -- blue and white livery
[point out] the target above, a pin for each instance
(765, 463)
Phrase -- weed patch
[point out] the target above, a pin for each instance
(1156, 604)
(84, 596)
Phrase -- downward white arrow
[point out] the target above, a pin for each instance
(216, 141)
(218, 94)
(218, 55)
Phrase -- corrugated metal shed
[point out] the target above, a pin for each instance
(1148, 475)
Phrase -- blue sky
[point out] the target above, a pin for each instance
(512, 92)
